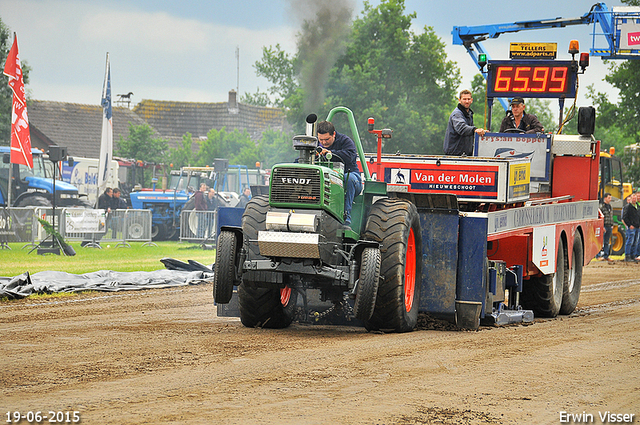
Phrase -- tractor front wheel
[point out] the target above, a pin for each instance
(225, 269)
(367, 286)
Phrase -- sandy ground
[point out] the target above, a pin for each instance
(163, 357)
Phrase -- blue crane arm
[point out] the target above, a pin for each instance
(469, 35)
(472, 37)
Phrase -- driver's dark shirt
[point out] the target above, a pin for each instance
(344, 147)
(529, 123)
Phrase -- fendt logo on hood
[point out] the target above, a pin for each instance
(294, 180)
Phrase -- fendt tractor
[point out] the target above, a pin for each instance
(498, 236)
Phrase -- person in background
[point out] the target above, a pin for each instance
(343, 150)
(213, 200)
(201, 205)
(244, 198)
(213, 203)
(637, 245)
(517, 118)
(458, 139)
(607, 211)
(631, 220)
(118, 202)
(105, 200)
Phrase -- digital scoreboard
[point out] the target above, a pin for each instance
(532, 78)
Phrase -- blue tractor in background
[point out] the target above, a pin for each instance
(167, 204)
(34, 187)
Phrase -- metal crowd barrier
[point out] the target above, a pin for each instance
(17, 225)
(204, 226)
(119, 226)
(198, 226)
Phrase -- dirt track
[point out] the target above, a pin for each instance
(163, 357)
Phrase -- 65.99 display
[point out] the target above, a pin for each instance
(550, 79)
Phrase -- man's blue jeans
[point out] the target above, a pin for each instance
(630, 245)
(354, 187)
(607, 241)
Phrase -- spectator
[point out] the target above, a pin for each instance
(244, 198)
(631, 220)
(118, 202)
(637, 249)
(213, 203)
(105, 200)
(201, 205)
(607, 211)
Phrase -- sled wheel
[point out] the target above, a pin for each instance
(395, 224)
(225, 268)
(367, 286)
(573, 277)
(543, 294)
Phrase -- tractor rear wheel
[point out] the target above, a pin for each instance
(367, 288)
(573, 277)
(34, 201)
(396, 225)
(225, 269)
(266, 307)
(543, 294)
(158, 232)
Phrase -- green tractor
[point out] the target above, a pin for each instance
(294, 240)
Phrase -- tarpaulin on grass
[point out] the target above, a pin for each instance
(177, 274)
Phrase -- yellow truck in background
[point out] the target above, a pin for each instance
(611, 181)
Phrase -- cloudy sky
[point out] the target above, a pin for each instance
(186, 50)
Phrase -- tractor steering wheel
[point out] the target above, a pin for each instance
(328, 156)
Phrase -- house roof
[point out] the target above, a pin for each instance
(76, 126)
(174, 119)
(79, 127)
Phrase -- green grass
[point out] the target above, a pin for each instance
(16, 261)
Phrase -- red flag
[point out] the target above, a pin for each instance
(20, 138)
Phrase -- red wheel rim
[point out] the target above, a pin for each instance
(285, 295)
(410, 272)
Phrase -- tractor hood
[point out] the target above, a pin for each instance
(47, 185)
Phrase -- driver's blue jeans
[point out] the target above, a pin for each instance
(354, 187)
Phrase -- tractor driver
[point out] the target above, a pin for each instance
(343, 150)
